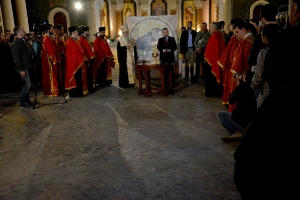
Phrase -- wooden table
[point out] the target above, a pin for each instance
(164, 69)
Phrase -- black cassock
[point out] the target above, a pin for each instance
(122, 58)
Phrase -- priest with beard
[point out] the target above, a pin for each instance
(76, 78)
(126, 57)
(60, 41)
(212, 71)
(226, 60)
(51, 62)
(88, 52)
(104, 60)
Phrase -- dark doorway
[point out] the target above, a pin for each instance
(60, 18)
(256, 11)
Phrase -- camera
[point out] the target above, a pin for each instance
(38, 27)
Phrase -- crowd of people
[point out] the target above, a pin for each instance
(254, 68)
(55, 61)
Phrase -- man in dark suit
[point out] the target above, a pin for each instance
(166, 46)
(187, 47)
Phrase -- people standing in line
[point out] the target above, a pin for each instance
(271, 161)
(212, 71)
(226, 60)
(200, 43)
(104, 60)
(23, 63)
(126, 57)
(76, 75)
(88, 52)
(282, 60)
(51, 61)
(187, 48)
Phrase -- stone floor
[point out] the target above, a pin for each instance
(115, 144)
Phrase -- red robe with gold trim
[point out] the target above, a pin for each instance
(50, 66)
(240, 61)
(74, 61)
(214, 49)
(103, 53)
(88, 52)
(62, 52)
(225, 62)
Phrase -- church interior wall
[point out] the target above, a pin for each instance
(241, 8)
(1, 22)
(38, 10)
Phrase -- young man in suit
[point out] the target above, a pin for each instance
(187, 48)
(166, 46)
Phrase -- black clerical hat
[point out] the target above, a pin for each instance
(84, 28)
(72, 29)
(101, 29)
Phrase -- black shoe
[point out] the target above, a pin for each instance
(25, 105)
(186, 78)
(30, 103)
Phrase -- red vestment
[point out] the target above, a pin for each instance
(88, 52)
(74, 61)
(225, 62)
(103, 53)
(240, 62)
(62, 52)
(214, 49)
(50, 66)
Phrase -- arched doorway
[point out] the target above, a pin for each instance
(60, 18)
(257, 5)
(256, 11)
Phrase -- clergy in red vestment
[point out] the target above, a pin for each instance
(226, 59)
(213, 73)
(60, 41)
(51, 64)
(104, 60)
(88, 52)
(225, 62)
(76, 78)
(241, 54)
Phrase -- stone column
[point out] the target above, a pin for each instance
(216, 8)
(93, 16)
(172, 8)
(118, 13)
(227, 14)
(199, 8)
(145, 10)
(21, 12)
(7, 14)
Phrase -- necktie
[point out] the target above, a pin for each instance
(166, 41)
